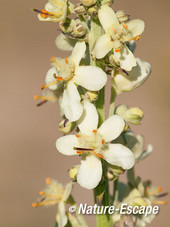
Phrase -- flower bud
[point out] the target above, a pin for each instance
(66, 126)
(113, 61)
(91, 95)
(107, 2)
(79, 9)
(122, 16)
(114, 172)
(79, 30)
(93, 11)
(68, 25)
(132, 115)
(88, 2)
(73, 172)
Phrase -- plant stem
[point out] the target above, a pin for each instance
(115, 192)
(112, 101)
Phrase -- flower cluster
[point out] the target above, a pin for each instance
(102, 44)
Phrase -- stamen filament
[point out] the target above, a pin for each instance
(159, 202)
(43, 98)
(45, 203)
(99, 155)
(50, 195)
(48, 181)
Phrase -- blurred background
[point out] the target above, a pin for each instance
(28, 134)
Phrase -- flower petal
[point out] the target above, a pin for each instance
(61, 216)
(102, 46)
(111, 128)
(70, 102)
(89, 119)
(119, 155)
(90, 172)
(90, 77)
(78, 53)
(136, 27)
(64, 43)
(126, 58)
(50, 79)
(65, 144)
(136, 77)
(67, 191)
(108, 18)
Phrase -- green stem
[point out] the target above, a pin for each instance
(112, 101)
(115, 192)
(131, 177)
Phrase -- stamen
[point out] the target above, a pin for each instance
(77, 136)
(44, 13)
(99, 155)
(52, 59)
(41, 103)
(48, 181)
(66, 60)
(117, 50)
(138, 37)
(43, 98)
(82, 149)
(94, 131)
(50, 195)
(55, 82)
(45, 203)
(124, 25)
(153, 192)
(79, 152)
(115, 31)
(103, 141)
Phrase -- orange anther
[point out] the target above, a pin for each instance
(48, 180)
(41, 193)
(124, 25)
(77, 135)
(146, 188)
(159, 189)
(66, 60)
(59, 78)
(117, 50)
(44, 13)
(94, 131)
(115, 31)
(52, 59)
(103, 141)
(79, 152)
(43, 86)
(34, 205)
(138, 38)
(35, 97)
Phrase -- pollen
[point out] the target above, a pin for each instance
(66, 60)
(138, 37)
(94, 131)
(99, 155)
(103, 141)
(115, 31)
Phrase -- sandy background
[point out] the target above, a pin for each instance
(28, 154)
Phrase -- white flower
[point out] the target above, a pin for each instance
(55, 11)
(116, 36)
(68, 73)
(53, 194)
(133, 79)
(94, 144)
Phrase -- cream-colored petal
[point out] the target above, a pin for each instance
(102, 46)
(90, 172)
(111, 128)
(89, 118)
(135, 27)
(65, 144)
(65, 43)
(78, 53)
(119, 155)
(67, 191)
(50, 79)
(90, 77)
(126, 58)
(137, 76)
(70, 102)
(108, 18)
(61, 216)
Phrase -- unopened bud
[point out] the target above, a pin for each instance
(88, 2)
(68, 25)
(132, 115)
(93, 11)
(79, 9)
(107, 2)
(114, 172)
(73, 172)
(91, 95)
(79, 30)
(66, 126)
(113, 61)
(122, 16)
